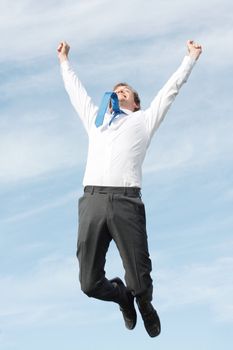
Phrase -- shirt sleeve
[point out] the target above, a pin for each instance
(79, 98)
(155, 114)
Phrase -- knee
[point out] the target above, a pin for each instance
(89, 289)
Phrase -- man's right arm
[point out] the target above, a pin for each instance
(77, 93)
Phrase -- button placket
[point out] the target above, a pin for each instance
(107, 158)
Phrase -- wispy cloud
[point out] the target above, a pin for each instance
(29, 299)
(207, 284)
(35, 211)
(69, 19)
(35, 81)
(33, 149)
(191, 147)
(48, 294)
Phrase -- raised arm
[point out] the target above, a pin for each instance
(77, 93)
(163, 100)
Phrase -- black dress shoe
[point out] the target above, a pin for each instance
(150, 318)
(126, 303)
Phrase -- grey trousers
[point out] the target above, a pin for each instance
(118, 214)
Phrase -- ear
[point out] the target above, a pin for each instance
(136, 106)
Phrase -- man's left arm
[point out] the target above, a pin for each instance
(160, 105)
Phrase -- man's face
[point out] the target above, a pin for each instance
(126, 97)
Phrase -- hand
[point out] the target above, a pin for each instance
(63, 51)
(194, 49)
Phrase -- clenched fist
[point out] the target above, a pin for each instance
(194, 49)
(63, 51)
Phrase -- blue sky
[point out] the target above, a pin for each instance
(187, 183)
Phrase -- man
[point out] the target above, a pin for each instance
(111, 207)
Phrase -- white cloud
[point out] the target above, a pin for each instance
(31, 83)
(191, 147)
(35, 211)
(207, 284)
(48, 294)
(42, 25)
(228, 194)
(217, 51)
(34, 149)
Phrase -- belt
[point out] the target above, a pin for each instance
(130, 191)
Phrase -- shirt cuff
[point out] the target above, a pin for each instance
(190, 60)
(65, 65)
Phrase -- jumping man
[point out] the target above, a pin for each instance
(111, 207)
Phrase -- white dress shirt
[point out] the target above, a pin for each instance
(116, 152)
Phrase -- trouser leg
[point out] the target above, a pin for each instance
(93, 243)
(128, 229)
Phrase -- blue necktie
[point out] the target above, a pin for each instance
(104, 105)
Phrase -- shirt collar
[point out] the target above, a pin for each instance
(127, 111)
